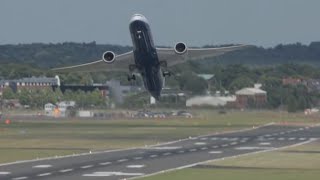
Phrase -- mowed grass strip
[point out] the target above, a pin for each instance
(302, 162)
(23, 140)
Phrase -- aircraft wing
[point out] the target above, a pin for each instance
(172, 58)
(121, 63)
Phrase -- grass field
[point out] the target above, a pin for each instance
(27, 139)
(302, 162)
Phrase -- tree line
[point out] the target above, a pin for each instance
(37, 98)
(61, 54)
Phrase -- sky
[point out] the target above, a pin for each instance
(195, 22)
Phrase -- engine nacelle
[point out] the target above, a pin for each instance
(180, 48)
(109, 57)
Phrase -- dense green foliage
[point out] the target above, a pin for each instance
(61, 54)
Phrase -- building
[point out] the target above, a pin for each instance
(214, 101)
(32, 83)
(291, 81)
(58, 110)
(251, 97)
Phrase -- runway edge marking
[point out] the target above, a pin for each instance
(220, 159)
(133, 148)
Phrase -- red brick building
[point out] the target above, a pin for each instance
(251, 97)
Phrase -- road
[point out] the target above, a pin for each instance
(138, 162)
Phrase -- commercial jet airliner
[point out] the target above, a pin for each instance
(146, 59)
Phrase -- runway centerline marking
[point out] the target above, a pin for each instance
(107, 174)
(86, 167)
(135, 166)
(122, 160)
(215, 152)
(44, 174)
(20, 178)
(200, 143)
(165, 148)
(265, 144)
(65, 170)
(105, 163)
(253, 148)
(42, 166)
(4, 173)
(138, 158)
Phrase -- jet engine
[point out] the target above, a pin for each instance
(180, 48)
(109, 57)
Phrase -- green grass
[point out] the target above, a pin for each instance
(23, 140)
(302, 162)
(227, 174)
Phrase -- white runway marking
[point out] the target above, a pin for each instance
(4, 173)
(291, 139)
(122, 160)
(65, 170)
(203, 139)
(86, 167)
(153, 156)
(265, 144)
(181, 152)
(135, 166)
(44, 174)
(107, 174)
(166, 154)
(42, 166)
(281, 139)
(204, 148)
(20, 178)
(165, 148)
(105, 163)
(302, 139)
(138, 158)
(215, 152)
(200, 143)
(214, 147)
(233, 143)
(225, 145)
(253, 148)
(193, 150)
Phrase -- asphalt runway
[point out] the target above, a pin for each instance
(138, 162)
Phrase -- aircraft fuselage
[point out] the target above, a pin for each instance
(145, 55)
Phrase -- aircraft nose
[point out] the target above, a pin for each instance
(138, 17)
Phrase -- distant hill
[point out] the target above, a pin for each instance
(61, 54)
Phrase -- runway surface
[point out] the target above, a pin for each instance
(137, 162)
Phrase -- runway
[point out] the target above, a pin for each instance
(139, 162)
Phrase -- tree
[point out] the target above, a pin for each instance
(8, 94)
(192, 83)
(292, 104)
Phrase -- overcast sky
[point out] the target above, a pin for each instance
(196, 22)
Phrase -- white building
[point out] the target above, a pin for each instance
(59, 110)
(210, 101)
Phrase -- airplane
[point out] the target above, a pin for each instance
(146, 59)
